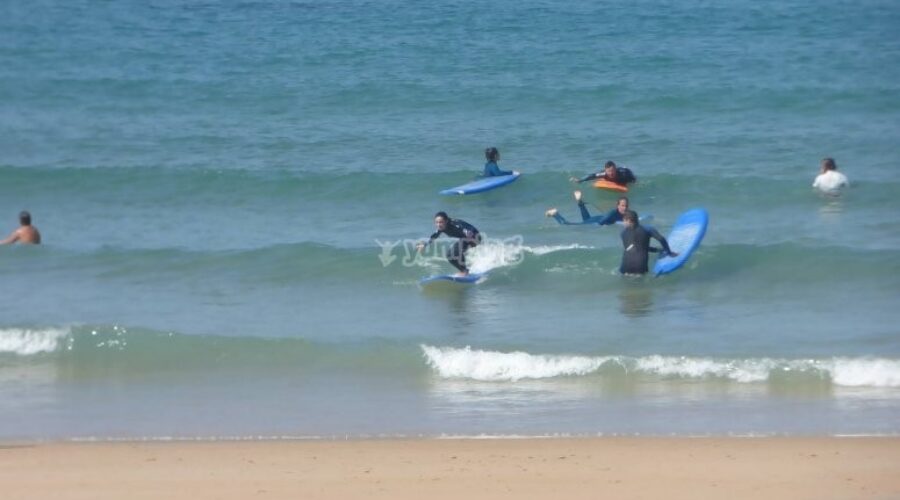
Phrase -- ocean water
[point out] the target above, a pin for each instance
(229, 194)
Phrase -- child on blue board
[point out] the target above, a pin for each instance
(611, 173)
(611, 217)
(468, 235)
(492, 155)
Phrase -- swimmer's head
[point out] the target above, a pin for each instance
(630, 218)
(440, 220)
(610, 169)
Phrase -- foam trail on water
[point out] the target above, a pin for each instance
(510, 252)
(545, 249)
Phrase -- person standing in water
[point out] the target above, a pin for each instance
(829, 179)
(467, 234)
(26, 233)
(636, 244)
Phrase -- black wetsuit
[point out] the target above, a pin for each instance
(624, 175)
(636, 241)
(468, 237)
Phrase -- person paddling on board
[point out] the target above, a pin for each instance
(611, 173)
(611, 217)
(26, 233)
(636, 242)
(492, 155)
(468, 235)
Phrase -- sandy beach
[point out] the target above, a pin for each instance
(771, 468)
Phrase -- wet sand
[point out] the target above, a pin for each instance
(459, 469)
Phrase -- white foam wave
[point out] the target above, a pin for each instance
(490, 256)
(873, 372)
(495, 366)
(25, 342)
(757, 370)
(450, 362)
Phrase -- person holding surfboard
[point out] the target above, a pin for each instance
(611, 173)
(492, 155)
(468, 235)
(636, 242)
(611, 217)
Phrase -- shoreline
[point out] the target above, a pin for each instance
(343, 438)
(477, 468)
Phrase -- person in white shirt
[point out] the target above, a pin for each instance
(830, 180)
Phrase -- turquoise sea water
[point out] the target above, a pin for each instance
(229, 194)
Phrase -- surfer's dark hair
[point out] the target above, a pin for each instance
(491, 154)
(631, 216)
(610, 163)
(442, 215)
(25, 218)
(829, 163)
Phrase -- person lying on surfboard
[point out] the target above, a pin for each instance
(492, 155)
(611, 217)
(468, 235)
(636, 242)
(611, 173)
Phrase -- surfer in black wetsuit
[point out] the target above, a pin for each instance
(611, 173)
(468, 235)
(636, 241)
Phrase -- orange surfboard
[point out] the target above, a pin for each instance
(612, 186)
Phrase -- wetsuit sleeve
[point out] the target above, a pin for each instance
(433, 237)
(610, 218)
(626, 175)
(655, 234)
(591, 177)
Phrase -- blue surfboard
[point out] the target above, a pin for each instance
(686, 235)
(469, 279)
(483, 184)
